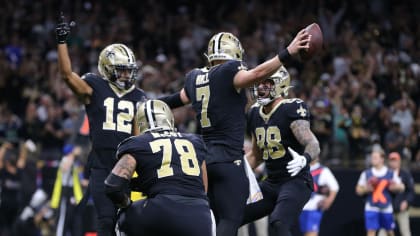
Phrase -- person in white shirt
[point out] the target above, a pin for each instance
(325, 191)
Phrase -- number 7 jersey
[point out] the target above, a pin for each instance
(219, 106)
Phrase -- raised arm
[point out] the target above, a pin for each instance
(72, 79)
(246, 78)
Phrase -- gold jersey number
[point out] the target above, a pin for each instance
(269, 140)
(124, 116)
(186, 154)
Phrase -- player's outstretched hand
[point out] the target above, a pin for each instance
(300, 42)
(62, 29)
(297, 164)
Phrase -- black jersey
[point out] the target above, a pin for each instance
(110, 112)
(273, 135)
(219, 106)
(167, 162)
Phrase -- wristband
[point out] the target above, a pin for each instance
(284, 56)
(307, 157)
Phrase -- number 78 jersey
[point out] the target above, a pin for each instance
(167, 162)
(110, 112)
(273, 134)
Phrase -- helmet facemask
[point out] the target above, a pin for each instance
(123, 76)
(275, 86)
(118, 65)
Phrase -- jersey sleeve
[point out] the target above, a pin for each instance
(128, 145)
(298, 110)
(229, 70)
(189, 80)
(362, 179)
(90, 78)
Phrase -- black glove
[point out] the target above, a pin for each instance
(62, 30)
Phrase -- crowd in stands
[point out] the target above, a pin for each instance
(363, 88)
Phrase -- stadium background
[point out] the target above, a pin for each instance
(362, 89)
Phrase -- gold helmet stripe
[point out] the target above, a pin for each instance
(150, 115)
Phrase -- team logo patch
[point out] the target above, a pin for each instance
(301, 111)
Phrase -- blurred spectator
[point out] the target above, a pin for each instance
(358, 134)
(68, 192)
(322, 125)
(325, 191)
(394, 139)
(402, 201)
(340, 143)
(403, 113)
(12, 163)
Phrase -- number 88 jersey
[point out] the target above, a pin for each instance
(273, 134)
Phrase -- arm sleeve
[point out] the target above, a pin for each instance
(173, 100)
(362, 179)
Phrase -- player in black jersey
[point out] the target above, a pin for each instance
(218, 97)
(173, 176)
(110, 100)
(282, 138)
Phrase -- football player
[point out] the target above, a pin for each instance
(110, 100)
(282, 138)
(217, 94)
(173, 177)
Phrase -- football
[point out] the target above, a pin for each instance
(316, 43)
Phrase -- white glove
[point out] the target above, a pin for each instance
(298, 163)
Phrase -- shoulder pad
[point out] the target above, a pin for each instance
(293, 100)
(203, 69)
(91, 76)
(121, 144)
